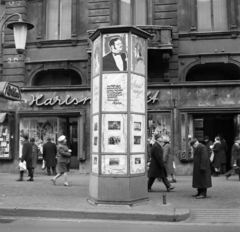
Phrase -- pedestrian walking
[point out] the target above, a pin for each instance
(35, 153)
(157, 168)
(223, 152)
(49, 155)
(201, 170)
(27, 157)
(217, 160)
(168, 158)
(63, 157)
(235, 159)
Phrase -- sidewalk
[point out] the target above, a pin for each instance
(42, 199)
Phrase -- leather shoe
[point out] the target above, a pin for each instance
(170, 188)
(200, 197)
(195, 195)
(149, 190)
(31, 179)
(20, 179)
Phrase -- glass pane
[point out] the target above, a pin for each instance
(204, 15)
(65, 19)
(4, 138)
(220, 14)
(52, 19)
(125, 18)
(140, 12)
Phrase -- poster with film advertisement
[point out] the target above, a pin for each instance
(114, 133)
(114, 93)
(95, 163)
(114, 164)
(138, 93)
(96, 57)
(95, 130)
(137, 164)
(137, 123)
(138, 64)
(95, 95)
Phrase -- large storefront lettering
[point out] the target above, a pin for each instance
(57, 100)
(37, 100)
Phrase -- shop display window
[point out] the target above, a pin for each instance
(4, 137)
(41, 128)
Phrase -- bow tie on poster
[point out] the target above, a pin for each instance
(115, 54)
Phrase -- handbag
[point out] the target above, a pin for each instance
(22, 166)
(43, 164)
(212, 156)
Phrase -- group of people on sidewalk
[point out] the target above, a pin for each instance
(56, 158)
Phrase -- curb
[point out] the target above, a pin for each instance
(175, 216)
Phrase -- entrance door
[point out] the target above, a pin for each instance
(73, 142)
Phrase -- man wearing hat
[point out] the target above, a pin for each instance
(235, 159)
(157, 168)
(201, 169)
(27, 157)
(49, 155)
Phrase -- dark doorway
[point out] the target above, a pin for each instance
(213, 124)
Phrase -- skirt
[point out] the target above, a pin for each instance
(62, 167)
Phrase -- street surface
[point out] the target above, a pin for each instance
(64, 225)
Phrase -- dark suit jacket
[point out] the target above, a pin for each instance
(49, 154)
(109, 63)
(27, 153)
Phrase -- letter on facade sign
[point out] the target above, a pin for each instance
(154, 98)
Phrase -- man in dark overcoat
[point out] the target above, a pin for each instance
(156, 168)
(201, 169)
(27, 157)
(49, 155)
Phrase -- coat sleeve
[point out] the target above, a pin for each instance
(44, 152)
(203, 158)
(24, 152)
(63, 152)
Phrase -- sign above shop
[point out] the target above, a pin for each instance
(10, 91)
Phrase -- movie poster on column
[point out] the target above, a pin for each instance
(95, 130)
(114, 133)
(114, 94)
(138, 93)
(115, 53)
(137, 133)
(137, 164)
(95, 95)
(138, 64)
(95, 163)
(96, 57)
(114, 164)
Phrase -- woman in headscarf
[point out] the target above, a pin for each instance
(63, 158)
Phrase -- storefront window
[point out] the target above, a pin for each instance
(41, 129)
(4, 136)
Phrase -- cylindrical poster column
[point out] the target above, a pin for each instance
(118, 117)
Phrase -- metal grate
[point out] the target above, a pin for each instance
(7, 220)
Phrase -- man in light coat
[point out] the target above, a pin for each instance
(201, 170)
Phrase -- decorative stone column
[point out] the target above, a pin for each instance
(118, 117)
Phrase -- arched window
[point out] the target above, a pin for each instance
(213, 72)
(57, 77)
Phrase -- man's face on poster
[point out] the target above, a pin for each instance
(118, 46)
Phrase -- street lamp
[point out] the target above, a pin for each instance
(19, 28)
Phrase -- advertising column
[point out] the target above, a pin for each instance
(118, 119)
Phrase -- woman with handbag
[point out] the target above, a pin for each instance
(63, 157)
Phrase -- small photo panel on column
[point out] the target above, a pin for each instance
(115, 52)
(137, 133)
(114, 92)
(95, 133)
(114, 133)
(138, 63)
(95, 163)
(114, 164)
(137, 164)
(95, 95)
(138, 93)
